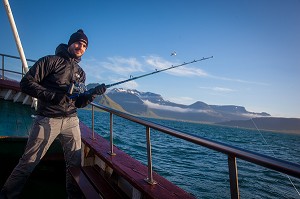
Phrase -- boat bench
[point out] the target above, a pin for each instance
(92, 184)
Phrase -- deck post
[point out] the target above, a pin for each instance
(233, 177)
(93, 124)
(149, 156)
(2, 77)
(111, 152)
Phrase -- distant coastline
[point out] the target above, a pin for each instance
(274, 124)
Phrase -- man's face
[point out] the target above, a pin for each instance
(77, 49)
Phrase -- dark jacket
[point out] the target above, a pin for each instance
(51, 76)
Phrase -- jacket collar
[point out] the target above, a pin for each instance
(62, 51)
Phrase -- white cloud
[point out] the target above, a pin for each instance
(252, 115)
(238, 80)
(126, 85)
(108, 70)
(125, 67)
(93, 70)
(159, 63)
(219, 89)
(122, 66)
(163, 107)
(182, 100)
(172, 108)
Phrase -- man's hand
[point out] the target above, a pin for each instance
(98, 90)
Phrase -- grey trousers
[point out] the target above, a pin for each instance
(42, 135)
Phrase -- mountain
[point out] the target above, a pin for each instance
(153, 105)
(149, 104)
(124, 102)
(289, 125)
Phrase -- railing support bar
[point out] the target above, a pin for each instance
(149, 156)
(93, 120)
(233, 177)
(111, 152)
(2, 67)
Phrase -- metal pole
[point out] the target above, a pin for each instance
(233, 177)
(111, 136)
(2, 67)
(93, 125)
(149, 156)
(16, 35)
(18, 43)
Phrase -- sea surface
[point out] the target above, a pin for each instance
(201, 171)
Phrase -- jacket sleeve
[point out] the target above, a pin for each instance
(84, 99)
(30, 83)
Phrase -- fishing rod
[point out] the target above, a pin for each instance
(80, 88)
(156, 71)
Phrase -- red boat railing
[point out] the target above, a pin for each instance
(4, 66)
(233, 153)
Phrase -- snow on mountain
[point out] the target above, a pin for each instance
(145, 103)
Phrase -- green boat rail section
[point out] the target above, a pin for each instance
(15, 119)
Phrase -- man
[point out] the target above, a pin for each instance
(49, 80)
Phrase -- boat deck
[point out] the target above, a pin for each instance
(47, 180)
(15, 123)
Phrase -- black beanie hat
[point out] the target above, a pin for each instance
(78, 36)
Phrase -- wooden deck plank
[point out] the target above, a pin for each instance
(84, 184)
(100, 183)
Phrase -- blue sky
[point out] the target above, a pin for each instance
(255, 45)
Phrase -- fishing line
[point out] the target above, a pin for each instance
(274, 155)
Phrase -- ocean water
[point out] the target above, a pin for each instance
(201, 171)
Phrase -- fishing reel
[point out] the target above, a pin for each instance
(75, 89)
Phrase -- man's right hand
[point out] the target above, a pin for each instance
(99, 90)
